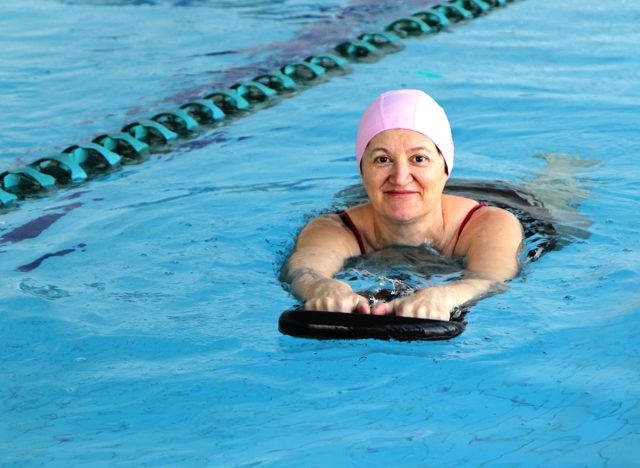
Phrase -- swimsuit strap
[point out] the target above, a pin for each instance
(346, 219)
(465, 221)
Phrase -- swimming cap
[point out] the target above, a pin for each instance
(408, 109)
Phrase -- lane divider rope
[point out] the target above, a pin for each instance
(135, 142)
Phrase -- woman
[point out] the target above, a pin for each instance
(404, 151)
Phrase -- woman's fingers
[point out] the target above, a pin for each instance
(327, 304)
(412, 306)
(422, 311)
(363, 306)
(331, 295)
(406, 307)
(383, 308)
(341, 303)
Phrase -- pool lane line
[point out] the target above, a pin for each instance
(136, 141)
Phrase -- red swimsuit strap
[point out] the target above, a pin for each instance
(465, 221)
(346, 219)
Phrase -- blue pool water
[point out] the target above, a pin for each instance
(139, 311)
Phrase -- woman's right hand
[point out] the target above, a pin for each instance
(333, 295)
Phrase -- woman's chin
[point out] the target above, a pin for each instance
(398, 211)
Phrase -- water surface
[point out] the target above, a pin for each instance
(145, 331)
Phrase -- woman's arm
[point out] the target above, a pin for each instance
(321, 250)
(491, 244)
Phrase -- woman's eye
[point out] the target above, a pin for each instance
(382, 159)
(419, 158)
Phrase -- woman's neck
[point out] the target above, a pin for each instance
(428, 229)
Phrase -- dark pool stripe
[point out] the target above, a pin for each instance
(35, 227)
(136, 140)
(36, 263)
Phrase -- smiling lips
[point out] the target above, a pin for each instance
(400, 193)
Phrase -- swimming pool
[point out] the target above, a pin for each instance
(153, 339)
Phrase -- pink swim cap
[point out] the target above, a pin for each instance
(408, 109)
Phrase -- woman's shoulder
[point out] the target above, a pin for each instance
(335, 225)
(454, 206)
(326, 221)
(467, 219)
(336, 219)
(330, 233)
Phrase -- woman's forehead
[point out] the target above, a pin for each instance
(401, 137)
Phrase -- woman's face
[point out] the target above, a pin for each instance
(404, 174)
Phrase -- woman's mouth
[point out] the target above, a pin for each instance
(401, 193)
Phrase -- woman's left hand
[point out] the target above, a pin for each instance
(435, 302)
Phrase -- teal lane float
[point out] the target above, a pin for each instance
(137, 140)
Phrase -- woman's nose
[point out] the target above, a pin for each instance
(401, 173)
